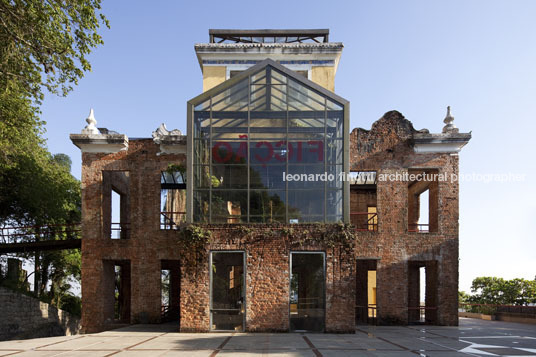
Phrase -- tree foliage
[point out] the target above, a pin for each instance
(498, 291)
(44, 46)
(47, 38)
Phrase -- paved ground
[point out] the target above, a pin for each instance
(473, 337)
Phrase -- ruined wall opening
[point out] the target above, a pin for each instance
(423, 189)
(227, 287)
(172, 199)
(422, 292)
(116, 204)
(307, 291)
(366, 304)
(170, 280)
(117, 291)
(363, 201)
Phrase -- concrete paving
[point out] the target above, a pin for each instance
(472, 338)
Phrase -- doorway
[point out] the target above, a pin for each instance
(307, 291)
(227, 291)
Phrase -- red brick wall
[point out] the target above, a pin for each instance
(386, 148)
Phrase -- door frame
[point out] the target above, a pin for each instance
(323, 253)
(243, 252)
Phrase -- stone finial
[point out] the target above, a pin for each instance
(449, 127)
(162, 131)
(91, 124)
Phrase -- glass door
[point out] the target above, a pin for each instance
(227, 291)
(307, 287)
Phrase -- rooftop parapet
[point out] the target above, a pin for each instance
(450, 140)
(99, 140)
(269, 36)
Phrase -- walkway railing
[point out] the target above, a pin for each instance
(421, 315)
(367, 314)
(491, 309)
(17, 239)
(172, 220)
(364, 221)
(22, 234)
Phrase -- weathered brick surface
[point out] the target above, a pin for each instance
(386, 148)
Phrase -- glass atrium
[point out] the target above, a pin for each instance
(253, 136)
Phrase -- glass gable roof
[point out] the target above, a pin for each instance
(251, 132)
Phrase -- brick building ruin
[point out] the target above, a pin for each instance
(221, 229)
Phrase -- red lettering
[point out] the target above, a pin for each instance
(319, 149)
(216, 153)
(242, 152)
(270, 151)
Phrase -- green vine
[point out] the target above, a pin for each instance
(195, 236)
(176, 167)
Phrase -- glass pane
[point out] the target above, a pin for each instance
(203, 106)
(201, 176)
(229, 205)
(303, 98)
(259, 78)
(201, 205)
(335, 173)
(334, 151)
(277, 78)
(334, 202)
(307, 202)
(335, 124)
(230, 176)
(229, 152)
(228, 304)
(232, 99)
(201, 151)
(306, 152)
(267, 203)
(258, 97)
(331, 105)
(334, 219)
(307, 306)
(306, 176)
(267, 176)
(202, 125)
(267, 152)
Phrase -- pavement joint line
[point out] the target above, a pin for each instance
(54, 343)
(127, 348)
(313, 348)
(449, 348)
(386, 340)
(436, 334)
(221, 346)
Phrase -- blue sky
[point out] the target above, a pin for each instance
(413, 56)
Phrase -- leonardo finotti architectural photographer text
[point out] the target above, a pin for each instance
(406, 177)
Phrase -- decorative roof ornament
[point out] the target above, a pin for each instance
(162, 131)
(449, 128)
(91, 124)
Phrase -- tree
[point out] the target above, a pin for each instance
(49, 38)
(44, 45)
(498, 291)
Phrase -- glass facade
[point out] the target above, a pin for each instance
(267, 149)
